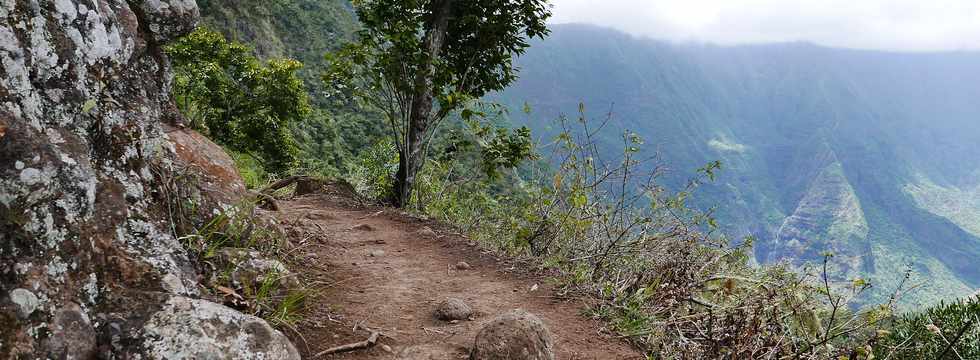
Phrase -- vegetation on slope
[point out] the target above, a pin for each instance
(780, 115)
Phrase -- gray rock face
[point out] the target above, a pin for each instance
(85, 173)
(516, 335)
(72, 334)
(196, 329)
(453, 309)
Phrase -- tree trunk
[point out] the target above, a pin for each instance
(411, 158)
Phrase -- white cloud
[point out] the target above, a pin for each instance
(915, 25)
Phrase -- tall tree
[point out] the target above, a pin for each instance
(420, 61)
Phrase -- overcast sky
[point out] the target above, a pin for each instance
(907, 25)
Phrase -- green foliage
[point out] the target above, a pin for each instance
(335, 131)
(952, 329)
(501, 147)
(251, 170)
(372, 172)
(236, 100)
(298, 29)
(474, 58)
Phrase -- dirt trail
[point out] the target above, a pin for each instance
(396, 292)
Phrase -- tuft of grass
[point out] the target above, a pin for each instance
(236, 227)
(250, 168)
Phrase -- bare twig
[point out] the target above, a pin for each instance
(371, 340)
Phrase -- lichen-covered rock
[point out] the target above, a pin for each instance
(85, 226)
(516, 335)
(197, 329)
(25, 301)
(453, 309)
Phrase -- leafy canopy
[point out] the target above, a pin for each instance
(236, 100)
(476, 56)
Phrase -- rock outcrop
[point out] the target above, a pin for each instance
(89, 262)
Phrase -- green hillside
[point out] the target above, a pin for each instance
(869, 155)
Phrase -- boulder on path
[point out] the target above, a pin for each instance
(516, 335)
(453, 309)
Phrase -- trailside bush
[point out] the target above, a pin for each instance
(233, 98)
(945, 331)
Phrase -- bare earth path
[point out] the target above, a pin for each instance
(396, 292)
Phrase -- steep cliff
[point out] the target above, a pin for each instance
(89, 262)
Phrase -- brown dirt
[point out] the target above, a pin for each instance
(397, 292)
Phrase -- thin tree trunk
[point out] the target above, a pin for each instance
(411, 158)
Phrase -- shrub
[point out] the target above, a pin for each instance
(236, 100)
(945, 331)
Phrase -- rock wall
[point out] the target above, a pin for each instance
(89, 264)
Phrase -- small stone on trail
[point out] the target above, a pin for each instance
(427, 231)
(453, 309)
(425, 352)
(363, 227)
(462, 265)
(471, 243)
(386, 348)
(377, 253)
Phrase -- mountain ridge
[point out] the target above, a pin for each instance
(777, 116)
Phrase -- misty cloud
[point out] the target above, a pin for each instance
(907, 25)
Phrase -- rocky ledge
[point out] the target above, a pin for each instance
(89, 263)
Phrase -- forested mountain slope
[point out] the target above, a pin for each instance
(869, 155)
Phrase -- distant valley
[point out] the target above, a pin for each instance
(871, 156)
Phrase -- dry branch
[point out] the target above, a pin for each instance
(371, 340)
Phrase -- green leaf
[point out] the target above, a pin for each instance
(88, 106)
